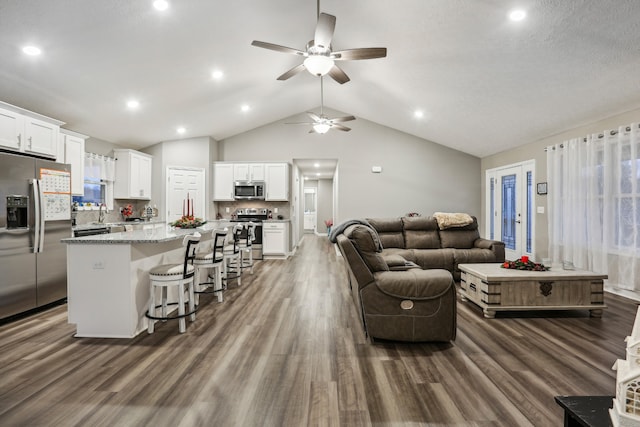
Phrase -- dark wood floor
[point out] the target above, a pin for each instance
(287, 349)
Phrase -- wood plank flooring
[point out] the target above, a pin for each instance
(287, 349)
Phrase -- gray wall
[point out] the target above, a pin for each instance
(325, 203)
(535, 151)
(417, 175)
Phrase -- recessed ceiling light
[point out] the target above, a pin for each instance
(217, 74)
(133, 104)
(32, 50)
(161, 4)
(306, 178)
(318, 174)
(517, 15)
(316, 165)
(181, 130)
(418, 114)
(245, 108)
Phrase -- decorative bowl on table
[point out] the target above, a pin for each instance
(188, 222)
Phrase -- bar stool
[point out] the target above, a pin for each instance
(231, 254)
(211, 258)
(245, 246)
(177, 274)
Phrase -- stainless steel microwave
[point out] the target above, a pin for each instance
(248, 190)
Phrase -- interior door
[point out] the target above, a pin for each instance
(310, 209)
(509, 208)
(183, 182)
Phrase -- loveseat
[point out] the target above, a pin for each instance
(401, 273)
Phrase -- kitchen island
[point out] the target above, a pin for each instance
(108, 276)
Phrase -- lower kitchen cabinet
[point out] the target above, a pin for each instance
(275, 239)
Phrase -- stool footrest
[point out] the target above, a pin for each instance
(177, 316)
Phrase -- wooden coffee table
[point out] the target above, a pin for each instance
(495, 289)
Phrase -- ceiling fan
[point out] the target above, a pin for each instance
(321, 123)
(318, 54)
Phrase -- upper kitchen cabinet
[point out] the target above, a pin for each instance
(248, 171)
(277, 181)
(71, 151)
(28, 132)
(223, 177)
(133, 175)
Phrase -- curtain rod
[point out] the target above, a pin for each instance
(600, 136)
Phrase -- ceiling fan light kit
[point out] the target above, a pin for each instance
(321, 127)
(318, 65)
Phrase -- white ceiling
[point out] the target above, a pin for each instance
(484, 83)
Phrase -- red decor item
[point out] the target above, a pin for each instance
(524, 259)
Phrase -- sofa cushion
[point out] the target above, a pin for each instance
(421, 233)
(460, 237)
(366, 241)
(390, 231)
(438, 258)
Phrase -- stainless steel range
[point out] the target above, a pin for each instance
(256, 215)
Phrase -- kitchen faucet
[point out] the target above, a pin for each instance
(101, 213)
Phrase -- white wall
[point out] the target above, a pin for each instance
(417, 175)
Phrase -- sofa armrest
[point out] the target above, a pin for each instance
(415, 284)
(494, 245)
(398, 263)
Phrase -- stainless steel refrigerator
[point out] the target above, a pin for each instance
(35, 213)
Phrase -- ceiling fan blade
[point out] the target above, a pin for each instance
(314, 116)
(338, 75)
(300, 123)
(277, 47)
(340, 127)
(324, 30)
(292, 72)
(312, 131)
(361, 53)
(342, 119)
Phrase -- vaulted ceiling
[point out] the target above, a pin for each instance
(483, 83)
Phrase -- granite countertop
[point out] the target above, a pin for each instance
(159, 233)
(277, 220)
(91, 225)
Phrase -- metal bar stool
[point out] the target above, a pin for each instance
(245, 246)
(177, 274)
(211, 259)
(231, 254)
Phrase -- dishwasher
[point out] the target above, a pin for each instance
(91, 231)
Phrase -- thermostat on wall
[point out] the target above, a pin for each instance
(376, 169)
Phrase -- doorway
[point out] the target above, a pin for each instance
(510, 201)
(310, 211)
(183, 182)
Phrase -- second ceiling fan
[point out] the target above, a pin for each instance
(321, 123)
(319, 57)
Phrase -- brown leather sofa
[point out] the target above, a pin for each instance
(401, 273)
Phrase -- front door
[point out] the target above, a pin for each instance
(510, 208)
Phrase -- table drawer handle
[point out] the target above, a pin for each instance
(545, 288)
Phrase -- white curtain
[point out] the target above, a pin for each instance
(98, 168)
(594, 204)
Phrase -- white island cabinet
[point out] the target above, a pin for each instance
(108, 277)
(275, 238)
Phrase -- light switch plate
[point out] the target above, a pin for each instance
(540, 209)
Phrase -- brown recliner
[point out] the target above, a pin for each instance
(397, 299)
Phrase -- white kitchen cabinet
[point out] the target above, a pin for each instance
(277, 181)
(248, 171)
(275, 238)
(41, 137)
(11, 129)
(222, 181)
(71, 151)
(133, 175)
(27, 132)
